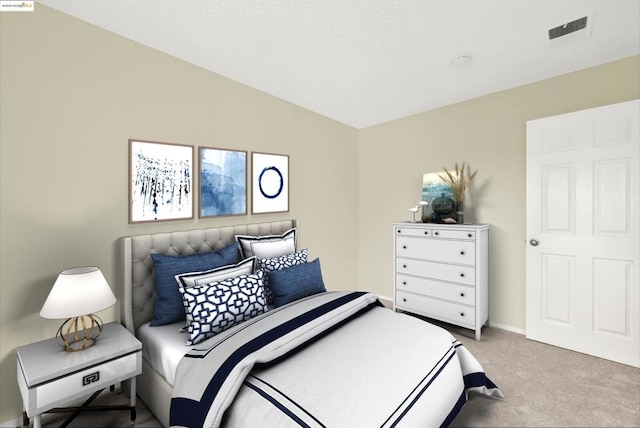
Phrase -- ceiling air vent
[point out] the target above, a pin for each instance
(568, 28)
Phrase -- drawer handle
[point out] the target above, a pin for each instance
(470, 235)
(461, 314)
(426, 232)
(404, 300)
(462, 275)
(404, 266)
(461, 294)
(462, 253)
(404, 282)
(436, 233)
(399, 231)
(404, 247)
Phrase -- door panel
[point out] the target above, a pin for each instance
(583, 231)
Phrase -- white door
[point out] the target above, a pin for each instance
(583, 231)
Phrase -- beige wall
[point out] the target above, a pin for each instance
(72, 96)
(489, 133)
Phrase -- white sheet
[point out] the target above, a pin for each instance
(163, 347)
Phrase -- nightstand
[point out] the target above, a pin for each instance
(50, 377)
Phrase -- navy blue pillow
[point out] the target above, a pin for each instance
(296, 282)
(169, 307)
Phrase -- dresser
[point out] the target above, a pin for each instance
(442, 272)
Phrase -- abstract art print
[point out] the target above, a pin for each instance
(160, 181)
(435, 189)
(269, 183)
(223, 182)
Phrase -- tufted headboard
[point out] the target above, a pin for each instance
(139, 296)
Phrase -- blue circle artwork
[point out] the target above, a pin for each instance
(271, 182)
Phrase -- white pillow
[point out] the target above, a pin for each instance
(267, 246)
(192, 279)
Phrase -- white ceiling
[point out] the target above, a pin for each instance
(364, 62)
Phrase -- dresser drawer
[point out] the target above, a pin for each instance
(434, 270)
(80, 384)
(412, 231)
(437, 309)
(442, 290)
(448, 251)
(454, 234)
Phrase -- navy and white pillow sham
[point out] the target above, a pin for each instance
(193, 279)
(220, 305)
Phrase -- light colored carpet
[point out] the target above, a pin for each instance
(544, 386)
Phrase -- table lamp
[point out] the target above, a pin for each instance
(76, 295)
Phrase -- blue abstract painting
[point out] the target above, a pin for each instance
(223, 182)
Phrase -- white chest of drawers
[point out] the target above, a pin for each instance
(442, 272)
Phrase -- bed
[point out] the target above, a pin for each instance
(312, 358)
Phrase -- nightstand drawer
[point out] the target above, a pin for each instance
(437, 309)
(442, 290)
(60, 391)
(434, 270)
(453, 251)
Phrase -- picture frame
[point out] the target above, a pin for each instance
(433, 187)
(269, 183)
(223, 182)
(160, 181)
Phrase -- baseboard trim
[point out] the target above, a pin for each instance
(507, 327)
(386, 301)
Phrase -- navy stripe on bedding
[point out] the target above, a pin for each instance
(474, 380)
(192, 413)
(456, 409)
(281, 401)
(420, 389)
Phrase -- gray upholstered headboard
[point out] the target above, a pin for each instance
(139, 295)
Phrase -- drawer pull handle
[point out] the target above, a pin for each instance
(470, 235)
(404, 282)
(462, 275)
(404, 247)
(462, 253)
(404, 300)
(461, 294)
(399, 231)
(461, 314)
(404, 266)
(436, 233)
(426, 232)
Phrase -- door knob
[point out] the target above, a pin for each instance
(534, 243)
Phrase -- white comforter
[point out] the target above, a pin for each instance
(335, 359)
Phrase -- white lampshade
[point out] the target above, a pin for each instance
(76, 292)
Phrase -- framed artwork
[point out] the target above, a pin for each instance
(269, 183)
(223, 182)
(160, 181)
(435, 189)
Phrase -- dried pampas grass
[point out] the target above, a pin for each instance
(459, 180)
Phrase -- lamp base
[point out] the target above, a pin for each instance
(79, 333)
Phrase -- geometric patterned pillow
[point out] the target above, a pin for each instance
(193, 279)
(279, 263)
(220, 305)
